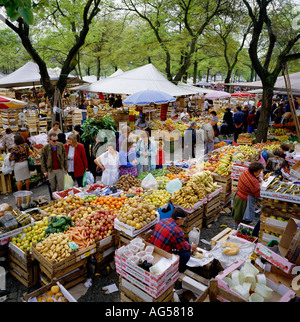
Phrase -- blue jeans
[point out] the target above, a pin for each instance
(184, 257)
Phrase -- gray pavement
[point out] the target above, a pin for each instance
(105, 277)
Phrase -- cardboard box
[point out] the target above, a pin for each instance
(281, 293)
(289, 245)
(131, 231)
(295, 170)
(273, 258)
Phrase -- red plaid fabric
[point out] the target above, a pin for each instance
(169, 236)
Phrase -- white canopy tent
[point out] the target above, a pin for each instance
(198, 90)
(29, 75)
(135, 80)
(279, 85)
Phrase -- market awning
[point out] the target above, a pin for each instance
(7, 102)
(279, 85)
(242, 94)
(135, 80)
(29, 75)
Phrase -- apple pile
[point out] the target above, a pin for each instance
(97, 224)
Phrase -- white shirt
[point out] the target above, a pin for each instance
(71, 154)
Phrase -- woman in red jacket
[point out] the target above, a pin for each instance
(77, 160)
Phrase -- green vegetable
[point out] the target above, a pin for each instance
(62, 221)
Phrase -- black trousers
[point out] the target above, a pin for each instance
(78, 179)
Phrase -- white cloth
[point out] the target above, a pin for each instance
(111, 164)
(71, 154)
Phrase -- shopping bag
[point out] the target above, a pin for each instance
(84, 182)
(173, 185)
(89, 177)
(68, 182)
(149, 182)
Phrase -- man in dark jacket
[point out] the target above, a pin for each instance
(238, 122)
(54, 162)
(190, 138)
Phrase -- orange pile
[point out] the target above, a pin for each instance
(171, 176)
(109, 202)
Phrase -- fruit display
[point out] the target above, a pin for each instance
(175, 170)
(224, 166)
(136, 213)
(98, 224)
(246, 233)
(197, 188)
(125, 182)
(109, 202)
(157, 198)
(30, 235)
(89, 198)
(65, 193)
(53, 295)
(159, 172)
(162, 181)
(55, 247)
(65, 205)
(133, 191)
(94, 187)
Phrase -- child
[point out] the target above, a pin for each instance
(160, 156)
(109, 163)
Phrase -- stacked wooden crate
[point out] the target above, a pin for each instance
(225, 183)
(9, 119)
(32, 122)
(22, 266)
(274, 218)
(193, 219)
(43, 126)
(212, 210)
(76, 117)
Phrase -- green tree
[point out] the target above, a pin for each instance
(281, 48)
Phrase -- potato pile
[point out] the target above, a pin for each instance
(126, 182)
(136, 214)
(55, 247)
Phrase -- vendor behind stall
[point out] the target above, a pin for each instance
(169, 236)
(248, 189)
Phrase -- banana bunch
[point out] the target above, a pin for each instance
(224, 167)
(188, 195)
(205, 178)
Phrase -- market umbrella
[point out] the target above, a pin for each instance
(216, 95)
(203, 84)
(7, 102)
(147, 97)
(242, 94)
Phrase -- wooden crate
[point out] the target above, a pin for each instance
(131, 293)
(212, 210)
(234, 183)
(122, 238)
(225, 183)
(194, 219)
(5, 183)
(222, 236)
(216, 291)
(23, 267)
(69, 271)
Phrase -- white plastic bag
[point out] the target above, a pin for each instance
(149, 182)
(173, 185)
(68, 182)
(8, 166)
(89, 177)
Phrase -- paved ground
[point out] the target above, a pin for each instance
(95, 292)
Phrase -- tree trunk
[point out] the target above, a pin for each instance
(227, 79)
(265, 112)
(98, 68)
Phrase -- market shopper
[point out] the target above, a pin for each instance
(160, 155)
(277, 161)
(55, 128)
(146, 153)
(109, 162)
(128, 159)
(228, 119)
(190, 139)
(169, 236)
(248, 189)
(209, 135)
(54, 162)
(77, 160)
(8, 140)
(125, 132)
(238, 122)
(251, 120)
(19, 154)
